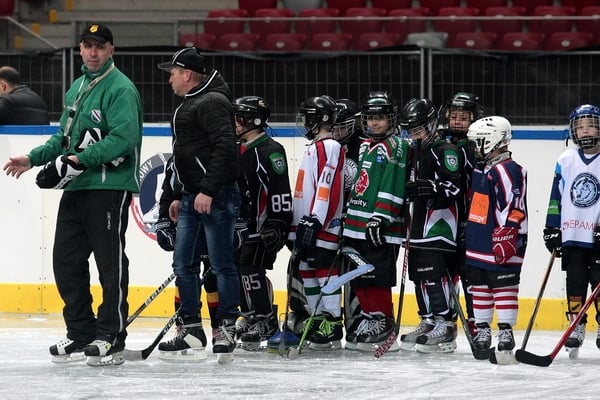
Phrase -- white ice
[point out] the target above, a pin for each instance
(27, 373)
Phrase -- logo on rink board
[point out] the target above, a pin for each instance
(144, 205)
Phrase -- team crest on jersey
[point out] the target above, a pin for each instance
(585, 190)
(96, 115)
(350, 170)
(451, 161)
(362, 182)
(278, 163)
(144, 205)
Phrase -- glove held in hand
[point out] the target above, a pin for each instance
(419, 188)
(553, 240)
(374, 232)
(240, 233)
(504, 243)
(58, 173)
(165, 234)
(306, 232)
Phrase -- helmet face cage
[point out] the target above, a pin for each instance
(251, 112)
(458, 113)
(345, 123)
(379, 106)
(314, 113)
(419, 118)
(584, 126)
(490, 134)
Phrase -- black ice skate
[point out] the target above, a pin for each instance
(438, 340)
(102, 352)
(188, 345)
(482, 341)
(378, 329)
(225, 341)
(263, 328)
(67, 350)
(328, 335)
(503, 354)
(576, 338)
(409, 340)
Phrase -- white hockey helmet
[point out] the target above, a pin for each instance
(489, 134)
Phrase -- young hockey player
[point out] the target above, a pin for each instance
(572, 222)
(373, 223)
(498, 210)
(434, 190)
(269, 213)
(459, 112)
(318, 202)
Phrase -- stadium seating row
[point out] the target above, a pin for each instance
(290, 42)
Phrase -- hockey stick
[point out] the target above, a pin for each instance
(389, 342)
(136, 355)
(538, 301)
(150, 298)
(335, 283)
(544, 361)
(283, 330)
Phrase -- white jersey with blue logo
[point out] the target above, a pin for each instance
(575, 197)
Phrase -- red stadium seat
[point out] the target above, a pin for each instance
(391, 4)
(404, 23)
(434, 6)
(483, 4)
(502, 23)
(473, 40)
(199, 40)
(284, 42)
(567, 40)
(378, 40)
(320, 21)
(344, 5)
(252, 5)
(228, 21)
(531, 4)
(358, 24)
(579, 4)
(7, 8)
(330, 41)
(268, 25)
(452, 25)
(591, 25)
(550, 25)
(521, 41)
(236, 42)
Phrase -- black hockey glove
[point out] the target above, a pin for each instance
(306, 232)
(240, 233)
(272, 235)
(553, 240)
(58, 173)
(165, 233)
(420, 188)
(596, 237)
(374, 232)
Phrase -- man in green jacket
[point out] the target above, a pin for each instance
(94, 157)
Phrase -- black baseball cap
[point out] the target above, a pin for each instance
(97, 32)
(188, 58)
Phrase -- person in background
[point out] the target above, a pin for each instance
(573, 218)
(95, 158)
(19, 105)
(496, 234)
(206, 159)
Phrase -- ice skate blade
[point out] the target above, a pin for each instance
(407, 346)
(251, 346)
(573, 352)
(224, 358)
(436, 348)
(334, 345)
(68, 358)
(379, 349)
(502, 357)
(103, 361)
(187, 355)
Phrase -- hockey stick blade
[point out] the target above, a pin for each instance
(353, 255)
(385, 346)
(502, 357)
(532, 359)
(136, 355)
(337, 282)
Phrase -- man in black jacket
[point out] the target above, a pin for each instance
(19, 105)
(205, 158)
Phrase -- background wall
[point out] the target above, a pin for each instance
(27, 282)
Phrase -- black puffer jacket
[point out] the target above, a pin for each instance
(204, 149)
(22, 106)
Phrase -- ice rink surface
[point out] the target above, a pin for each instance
(26, 371)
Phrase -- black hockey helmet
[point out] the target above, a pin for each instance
(461, 101)
(314, 113)
(419, 115)
(345, 123)
(379, 104)
(251, 112)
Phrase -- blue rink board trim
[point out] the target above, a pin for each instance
(532, 133)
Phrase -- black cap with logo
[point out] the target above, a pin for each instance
(188, 58)
(97, 32)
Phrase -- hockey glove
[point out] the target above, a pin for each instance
(374, 231)
(504, 243)
(240, 233)
(165, 234)
(58, 173)
(306, 232)
(553, 241)
(420, 188)
(596, 237)
(272, 235)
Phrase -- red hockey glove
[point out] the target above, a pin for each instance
(504, 243)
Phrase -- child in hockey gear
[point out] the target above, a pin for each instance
(498, 210)
(317, 218)
(373, 223)
(455, 117)
(267, 208)
(573, 197)
(434, 190)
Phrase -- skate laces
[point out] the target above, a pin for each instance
(505, 335)
(439, 330)
(578, 333)
(226, 333)
(376, 326)
(326, 327)
(263, 326)
(484, 334)
(363, 326)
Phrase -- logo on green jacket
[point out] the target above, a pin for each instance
(278, 163)
(451, 161)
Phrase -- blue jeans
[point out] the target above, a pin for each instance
(213, 231)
